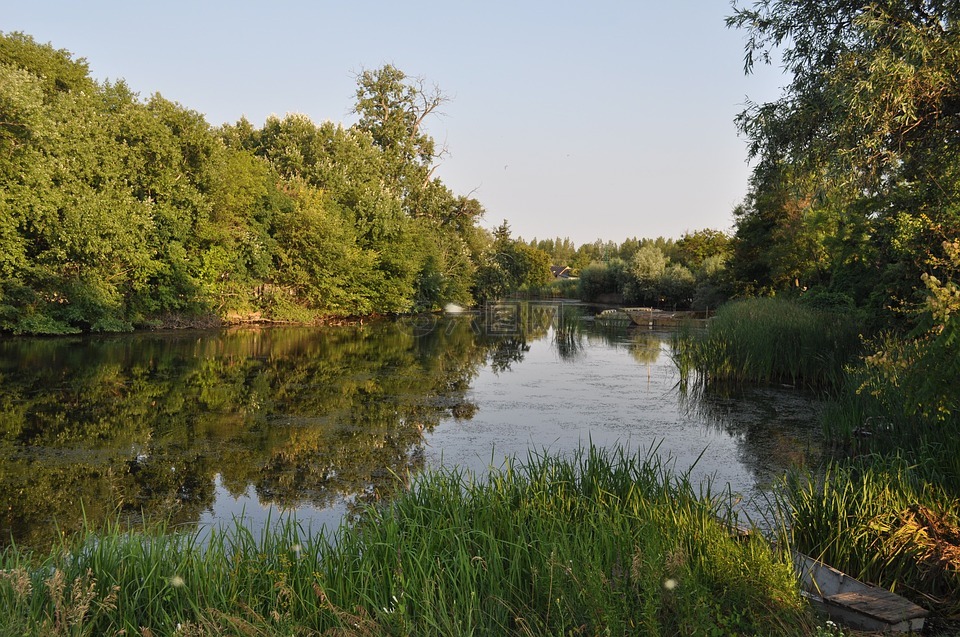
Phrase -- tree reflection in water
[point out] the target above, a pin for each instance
(775, 427)
(127, 426)
(156, 424)
(143, 424)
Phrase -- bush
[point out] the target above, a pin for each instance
(599, 279)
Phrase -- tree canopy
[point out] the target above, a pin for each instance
(857, 172)
(117, 211)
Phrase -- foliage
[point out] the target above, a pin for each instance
(901, 398)
(647, 268)
(392, 109)
(934, 364)
(699, 278)
(883, 521)
(856, 177)
(603, 278)
(510, 265)
(600, 542)
(693, 249)
(676, 285)
(561, 251)
(117, 212)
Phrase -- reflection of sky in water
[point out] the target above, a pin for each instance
(254, 514)
(605, 397)
(543, 403)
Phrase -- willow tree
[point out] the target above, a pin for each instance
(857, 171)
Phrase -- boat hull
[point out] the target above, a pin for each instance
(652, 317)
(853, 603)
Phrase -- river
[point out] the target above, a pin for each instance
(199, 427)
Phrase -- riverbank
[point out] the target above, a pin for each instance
(884, 508)
(591, 543)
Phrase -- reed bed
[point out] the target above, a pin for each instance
(595, 543)
(858, 422)
(770, 341)
(880, 519)
(879, 412)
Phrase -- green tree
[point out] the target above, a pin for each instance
(599, 279)
(693, 248)
(856, 160)
(320, 265)
(629, 248)
(74, 231)
(648, 265)
(677, 285)
(57, 69)
(509, 265)
(348, 167)
(561, 251)
(392, 109)
(117, 211)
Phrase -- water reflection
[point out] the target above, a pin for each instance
(149, 422)
(645, 346)
(774, 428)
(194, 426)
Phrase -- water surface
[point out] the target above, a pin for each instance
(199, 427)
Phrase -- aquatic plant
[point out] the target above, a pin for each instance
(880, 519)
(597, 542)
(902, 398)
(769, 340)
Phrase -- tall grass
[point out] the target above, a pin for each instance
(881, 520)
(597, 543)
(879, 410)
(770, 340)
(159, 582)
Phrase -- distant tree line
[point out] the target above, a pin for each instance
(689, 272)
(854, 199)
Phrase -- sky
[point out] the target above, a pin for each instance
(588, 120)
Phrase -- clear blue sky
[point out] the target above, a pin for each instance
(584, 120)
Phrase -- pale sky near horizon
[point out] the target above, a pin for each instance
(600, 120)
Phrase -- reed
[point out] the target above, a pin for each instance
(594, 543)
(554, 289)
(880, 519)
(886, 406)
(770, 340)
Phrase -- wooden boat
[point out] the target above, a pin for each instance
(652, 317)
(854, 604)
(846, 600)
(613, 317)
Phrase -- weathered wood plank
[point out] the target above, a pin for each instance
(854, 603)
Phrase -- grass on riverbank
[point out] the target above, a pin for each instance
(770, 340)
(881, 520)
(888, 513)
(600, 543)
